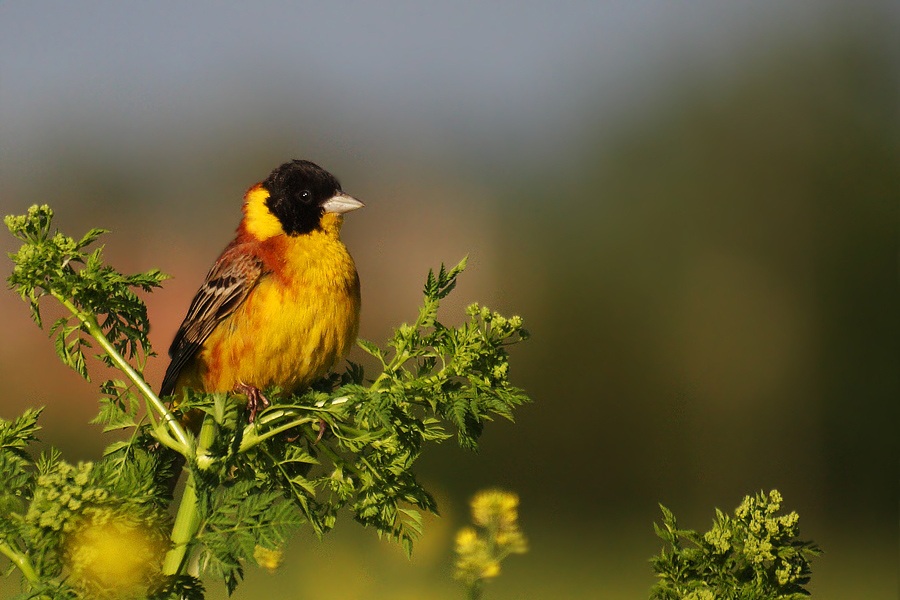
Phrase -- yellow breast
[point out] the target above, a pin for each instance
(294, 326)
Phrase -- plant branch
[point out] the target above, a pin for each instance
(187, 522)
(94, 330)
(252, 439)
(21, 561)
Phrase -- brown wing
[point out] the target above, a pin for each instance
(227, 284)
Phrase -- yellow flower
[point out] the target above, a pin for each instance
(266, 558)
(112, 556)
(495, 508)
(511, 542)
(490, 569)
(479, 552)
(466, 540)
(473, 560)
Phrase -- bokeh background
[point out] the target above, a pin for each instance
(693, 204)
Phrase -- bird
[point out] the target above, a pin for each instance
(281, 304)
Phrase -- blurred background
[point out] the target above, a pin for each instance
(694, 205)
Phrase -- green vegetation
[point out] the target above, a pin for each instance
(349, 442)
(753, 555)
(103, 529)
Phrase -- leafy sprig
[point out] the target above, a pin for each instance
(350, 441)
(60, 515)
(753, 554)
(102, 307)
(54, 264)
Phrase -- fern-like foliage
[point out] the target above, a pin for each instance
(754, 554)
(349, 442)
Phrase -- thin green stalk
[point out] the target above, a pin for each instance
(475, 590)
(274, 415)
(187, 522)
(375, 384)
(21, 561)
(249, 440)
(400, 357)
(94, 330)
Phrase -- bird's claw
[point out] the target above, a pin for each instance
(256, 401)
(323, 426)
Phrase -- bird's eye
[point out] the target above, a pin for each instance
(306, 196)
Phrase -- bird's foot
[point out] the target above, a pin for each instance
(256, 402)
(323, 427)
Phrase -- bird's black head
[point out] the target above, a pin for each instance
(300, 192)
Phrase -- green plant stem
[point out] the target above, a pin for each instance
(187, 522)
(251, 438)
(21, 561)
(274, 415)
(400, 357)
(93, 329)
(254, 439)
(475, 590)
(208, 432)
(376, 384)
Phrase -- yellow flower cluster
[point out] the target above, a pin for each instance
(480, 549)
(114, 556)
(267, 558)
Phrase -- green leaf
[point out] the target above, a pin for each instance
(371, 348)
(17, 434)
(754, 554)
(439, 287)
(178, 587)
(16, 469)
(244, 516)
(90, 237)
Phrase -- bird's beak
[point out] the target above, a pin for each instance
(341, 203)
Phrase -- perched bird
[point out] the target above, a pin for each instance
(281, 304)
